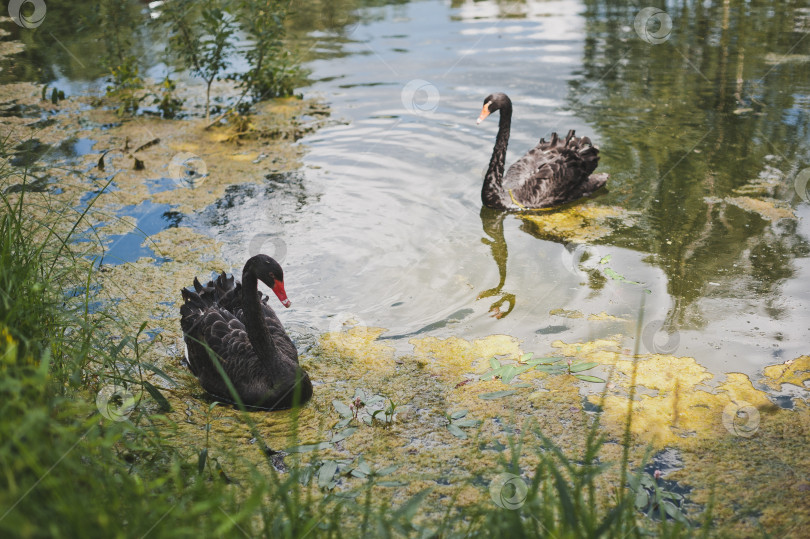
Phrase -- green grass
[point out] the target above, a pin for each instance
(68, 471)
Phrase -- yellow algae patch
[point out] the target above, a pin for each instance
(566, 313)
(580, 223)
(361, 345)
(605, 317)
(769, 208)
(602, 351)
(452, 358)
(184, 244)
(794, 371)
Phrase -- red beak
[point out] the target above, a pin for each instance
(278, 288)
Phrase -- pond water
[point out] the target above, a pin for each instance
(704, 136)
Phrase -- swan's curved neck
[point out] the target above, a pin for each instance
(492, 189)
(254, 322)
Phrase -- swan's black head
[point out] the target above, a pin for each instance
(492, 103)
(270, 273)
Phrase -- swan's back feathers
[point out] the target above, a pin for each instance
(553, 173)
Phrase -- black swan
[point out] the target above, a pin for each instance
(237, 324)
(552, 173)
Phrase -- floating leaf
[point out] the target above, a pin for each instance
(589, 378)
(526, 357)
(605, 259)
(342, 409)
(673, 511)
(342, 435)
(577, 367)
(616, 277)
(388, 469)
(457, 432)
(468, 423)
(642, 499)
(343, 422)
(458, 415)
(326, 473)
(550, 368)
(496, 394)
(494, 363)
(544, 361)
(390, 484)
(308, 447)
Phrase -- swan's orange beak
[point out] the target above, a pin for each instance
(278, 288)
(484, 114)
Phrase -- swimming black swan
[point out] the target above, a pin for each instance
(552, 173)
(238, 325)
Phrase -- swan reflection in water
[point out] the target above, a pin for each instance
(492, 223)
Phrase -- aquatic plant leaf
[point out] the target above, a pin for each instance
(458, 415)
(526, 357)
(642, 499)
(605, 259)
(326, 473)
(387, 470)
(616, 277)
(550, 368)
(457, 432)
(308, 447)
(673, 511)
(342, 435)
(468, 423)
(158, 396)
(496, 394)
(522, 384)
(342, 409)
(390, 484)
(577, 367)
(544, 361)
(589, 378)
(494, 363)
(343, 422)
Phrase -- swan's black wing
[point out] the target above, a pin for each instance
(209, 325)
(553, 173)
